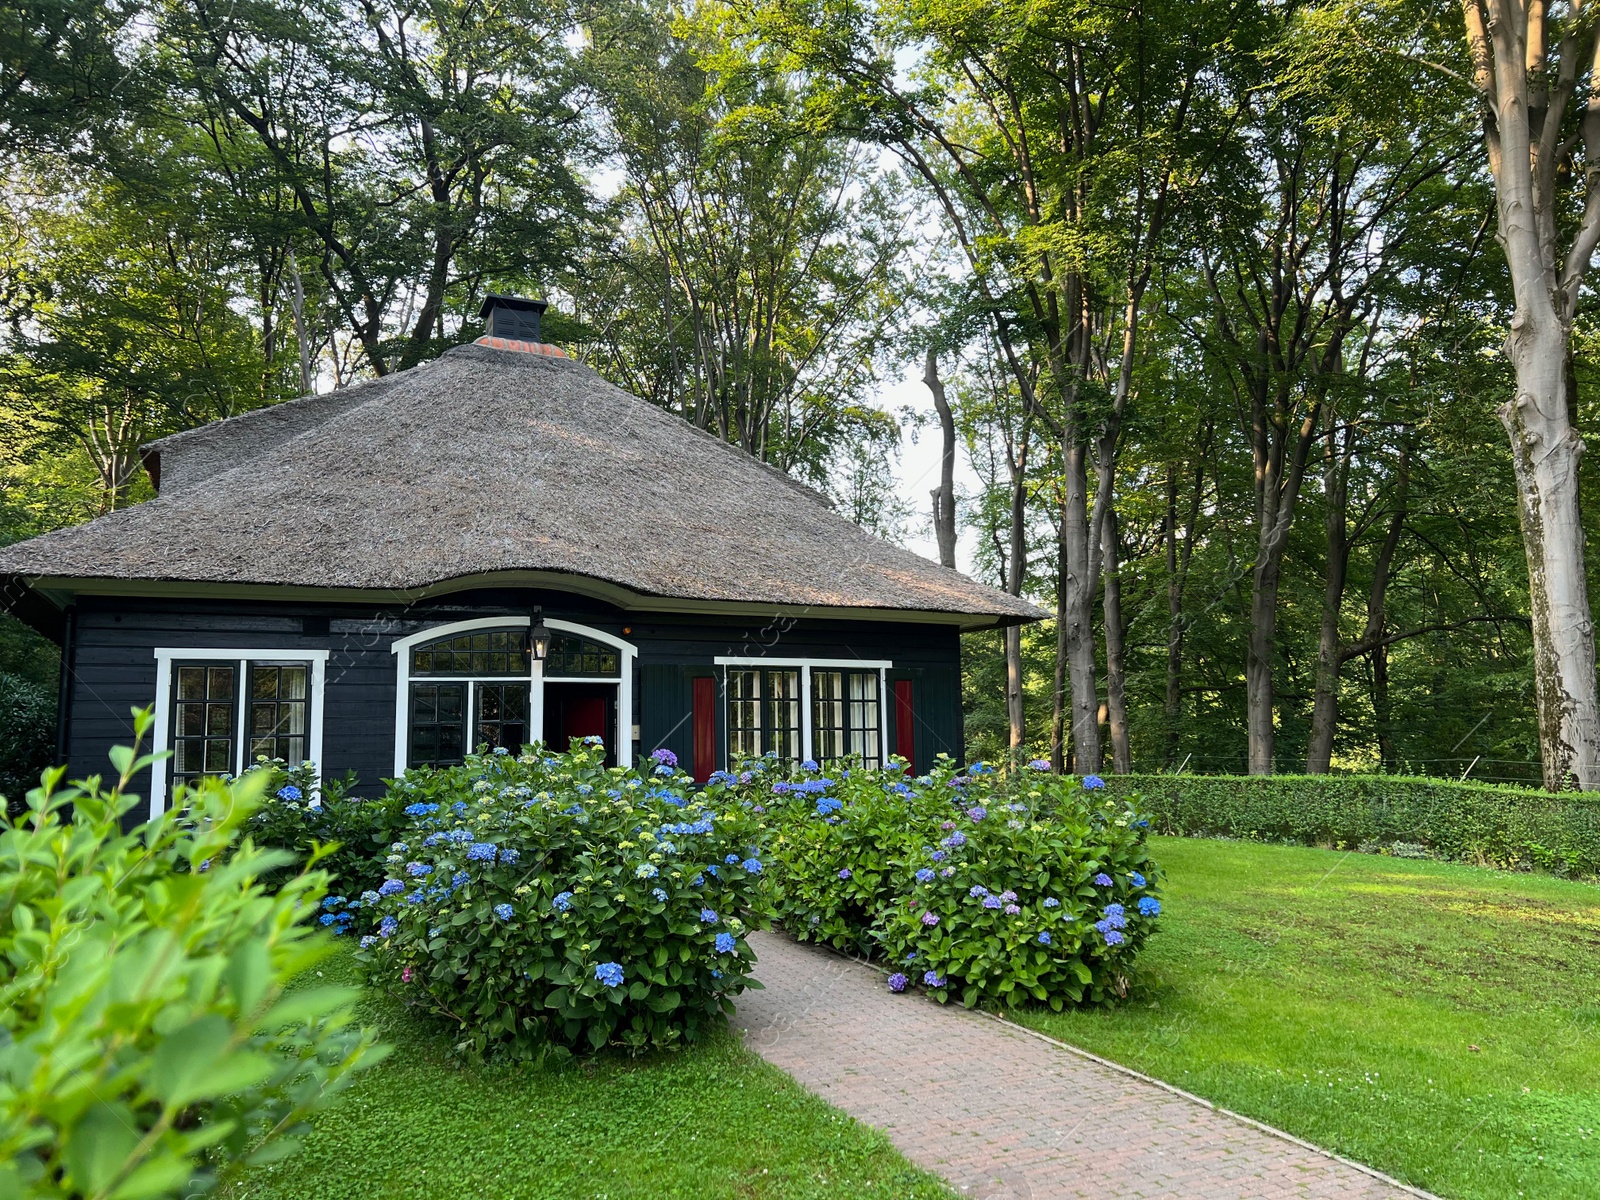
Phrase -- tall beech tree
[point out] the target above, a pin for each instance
(1533, 68)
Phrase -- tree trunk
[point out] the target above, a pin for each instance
(1172, 704)
(1382, 714)
(1259, 663)
(1545, 452)
(1076, 613)
(1116, 690)
(1325, 692)
(944, 496)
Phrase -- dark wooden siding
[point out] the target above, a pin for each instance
(114, 665)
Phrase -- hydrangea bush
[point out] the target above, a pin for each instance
(544, 901)
(309, 817)
(980, 887)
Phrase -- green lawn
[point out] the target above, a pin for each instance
(711, 1121)
(1439, 1022)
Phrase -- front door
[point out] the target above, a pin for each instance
(580, 710)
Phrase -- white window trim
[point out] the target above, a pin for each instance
(167, 655)
(401, 649)
(806, 666)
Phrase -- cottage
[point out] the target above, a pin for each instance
(494, 547)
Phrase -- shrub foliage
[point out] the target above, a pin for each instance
(545, 901)
(307, 816)
(978, 887)
(1465, 822)
(147, 1042)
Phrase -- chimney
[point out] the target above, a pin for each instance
(514, 318)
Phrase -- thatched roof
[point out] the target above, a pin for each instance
(502, 464)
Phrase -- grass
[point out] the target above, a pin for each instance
(710, 1121)
(1436, 1021)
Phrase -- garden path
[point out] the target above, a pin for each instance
(1007, 1114)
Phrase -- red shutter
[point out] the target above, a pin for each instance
(905, 737)
(705, 727)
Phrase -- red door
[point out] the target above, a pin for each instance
(705, 727)
(583, 716)
(905, 736)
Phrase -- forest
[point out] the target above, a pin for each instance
(1264, 326)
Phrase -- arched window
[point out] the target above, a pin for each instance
(574, 657)
(469, 690)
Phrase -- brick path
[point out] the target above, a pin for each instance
(1005, 1115)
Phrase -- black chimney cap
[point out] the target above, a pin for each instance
(514, 317)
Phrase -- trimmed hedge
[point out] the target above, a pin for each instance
(1435, 818)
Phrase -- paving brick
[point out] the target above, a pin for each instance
(1004, 1115)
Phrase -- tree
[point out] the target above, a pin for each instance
(1533, 71)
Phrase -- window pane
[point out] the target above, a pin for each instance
(220, 683)
(436, 732)
(502, 715)
(191, 683)
(570, 655)
(502, 652)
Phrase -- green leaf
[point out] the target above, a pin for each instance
(185, 1059)
(98, 1147)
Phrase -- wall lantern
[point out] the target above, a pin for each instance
(539, 636)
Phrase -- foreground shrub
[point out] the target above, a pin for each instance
(979, 887)
(147, 1044)
(547, 902)
(1437, 818)
(306, 816)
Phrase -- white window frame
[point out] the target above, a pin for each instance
(401, 649)
(806, 665)
(167, 655)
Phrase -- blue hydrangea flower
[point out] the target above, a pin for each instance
(459, 807)
(659, 895)
(955, 840)
(947, 872)
(481, 852)
(420, 810)
(991, 901)
(664, 757)
(1102, 880)
(753, 865)
(709, 916)
(1114, 910)
(1149, 906)
(844, 873)
(1093, 783)
(415, 897)
(369, 897)
(610, 974)
(925, 875)
(594, 739)
(509, 854)
(1052, 902)
(503, 911)
(897, 982)
(417, 870)
(646, 871)
(725, 943)
(938, 856)
(391, 887)
(1113, 938)
(1044, 938)
(698, 881)
(828, 804)
(977, 812)
(387, 926)
(1136, 879)
(977, 891)
(501, 750)
(732, 860)
(327, 918)
(289, 792)
(933, 979)
(368, 942)
(1038, 764)
(460, 879)
(562, 902)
